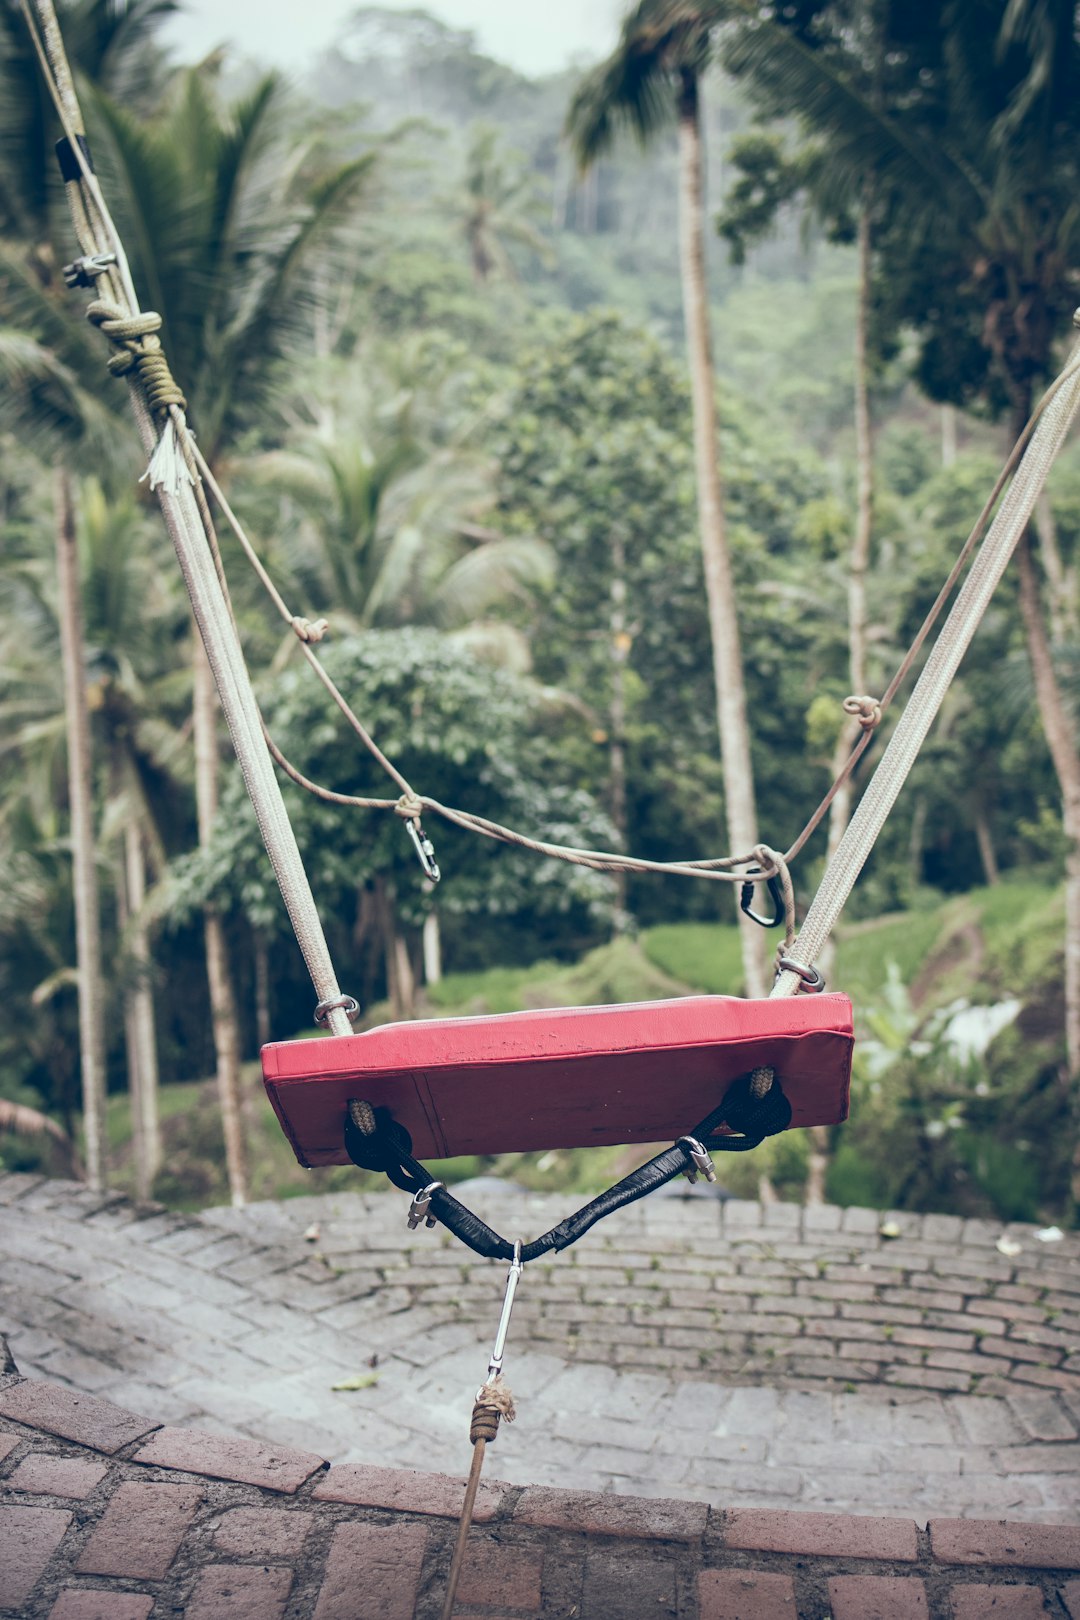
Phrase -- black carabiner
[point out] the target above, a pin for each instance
(746, 900)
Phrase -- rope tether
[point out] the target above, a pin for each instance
(493, 1403)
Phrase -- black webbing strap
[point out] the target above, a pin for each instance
(389, 1149)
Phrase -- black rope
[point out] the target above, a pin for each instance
(389, 1149)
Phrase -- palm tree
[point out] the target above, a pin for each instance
(83, 841)
(226, 208)
(497, 198)
(974, 137)
(656, 70)
(133, 640)
(112, 44)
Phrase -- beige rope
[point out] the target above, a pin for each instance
(182, 513)
(493, 1402)
(1041, 443)
(867, 710)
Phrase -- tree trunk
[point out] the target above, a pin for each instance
(225, 1022)
(620, 652)
(859, 559)
(948, 435)
(1061, 741)
(432, 947)
(84, 865)
(400, 984)
(262, 989)
(1062, 603)
(143, 1030)
(915, 841)
(719, 584)
(987, 854)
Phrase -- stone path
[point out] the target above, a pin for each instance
(106, 1514)
(771, 1357)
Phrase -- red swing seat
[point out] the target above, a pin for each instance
(563, 1078)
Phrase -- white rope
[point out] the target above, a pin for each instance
(95, 230)
(938, 673)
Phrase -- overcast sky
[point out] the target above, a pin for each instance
(534, 36)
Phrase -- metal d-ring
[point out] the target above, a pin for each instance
(348, 1004)
(746, 899)
(812, 980)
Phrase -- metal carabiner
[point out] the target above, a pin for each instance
(425, 849)
(513, 1277)
(746, 900)
(419, 1209)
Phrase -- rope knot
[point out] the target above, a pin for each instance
(138, 348)
(409, 807)
(769, 862)
(309, 629)
(493, 1402)
(866, 710)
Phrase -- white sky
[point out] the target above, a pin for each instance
(534, 36)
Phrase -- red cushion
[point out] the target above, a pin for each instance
(571, 1077)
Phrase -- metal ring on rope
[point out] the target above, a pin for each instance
(812, 978)
(348, 1004)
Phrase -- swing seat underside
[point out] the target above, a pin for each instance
(563, 1078)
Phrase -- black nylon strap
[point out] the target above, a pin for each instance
(389, 1149)
(70, 168)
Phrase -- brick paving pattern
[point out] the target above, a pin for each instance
(113, 1534)
(687, 1349)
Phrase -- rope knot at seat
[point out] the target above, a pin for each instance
(866, 710)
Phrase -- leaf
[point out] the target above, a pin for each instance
(365, 1380)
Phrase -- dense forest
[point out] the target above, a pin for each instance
(619, 425)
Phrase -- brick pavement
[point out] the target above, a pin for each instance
(110, 1515)
(773, 1357)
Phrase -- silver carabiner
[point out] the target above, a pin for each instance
(420, 1208)
(513, 1277)
(425, 849)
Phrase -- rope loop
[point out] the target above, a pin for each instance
(138, 349)
(309, 630)
(866, 710)
(409, 807)
(773, 864)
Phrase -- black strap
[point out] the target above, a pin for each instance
(389, 1149)
(70, 167)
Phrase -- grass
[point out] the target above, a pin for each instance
(865, 950)
(495, 990)
(707, 956)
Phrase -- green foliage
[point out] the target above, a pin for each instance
(424, 442)
(467, 735)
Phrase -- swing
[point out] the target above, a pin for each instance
(567, 1078)
(574, 1077)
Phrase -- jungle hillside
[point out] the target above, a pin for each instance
(603, 432)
